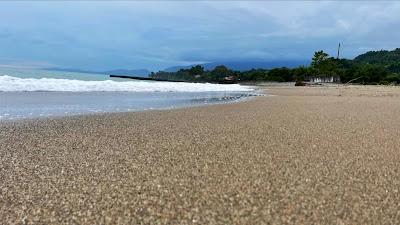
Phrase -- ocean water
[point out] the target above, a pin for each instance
(40, 93)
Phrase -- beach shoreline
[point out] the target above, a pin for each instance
(196, 101)
(302, 155)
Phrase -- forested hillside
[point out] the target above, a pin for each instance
(389, 59)
(374, 67)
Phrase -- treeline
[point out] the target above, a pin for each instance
(220, 73)
(379, 67)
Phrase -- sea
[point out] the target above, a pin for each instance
(34, 93)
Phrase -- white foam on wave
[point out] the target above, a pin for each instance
(9, 83)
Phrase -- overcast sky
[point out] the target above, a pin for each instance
(154, 35)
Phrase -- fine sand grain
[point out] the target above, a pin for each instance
(327, 155)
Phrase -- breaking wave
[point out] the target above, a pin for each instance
(10, 83)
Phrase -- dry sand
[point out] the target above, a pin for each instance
(306, 155)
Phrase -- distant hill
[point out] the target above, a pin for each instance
(389, 59)
(382, 56)
(138, 72)
(246, 65)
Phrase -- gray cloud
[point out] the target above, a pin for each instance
(104, 35)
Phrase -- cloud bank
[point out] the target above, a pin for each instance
(106, 35)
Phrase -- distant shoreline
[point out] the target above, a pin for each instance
(18, 103)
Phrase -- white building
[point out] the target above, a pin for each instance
(323, 79)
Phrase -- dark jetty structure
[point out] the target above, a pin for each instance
(145, 78)
(227, 80)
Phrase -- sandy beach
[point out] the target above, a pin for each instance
(327, 155)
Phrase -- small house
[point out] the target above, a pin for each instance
(323, 79)
(228, 80)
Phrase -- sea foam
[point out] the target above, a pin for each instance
(10, 83)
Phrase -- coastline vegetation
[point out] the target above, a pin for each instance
(374, 67)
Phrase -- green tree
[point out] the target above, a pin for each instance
(371, 74)
(196, 70)
(280, 74)
(318, 58)
(300, 73)
(219, 72)
(323, 65)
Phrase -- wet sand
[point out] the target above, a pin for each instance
(305, 155)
